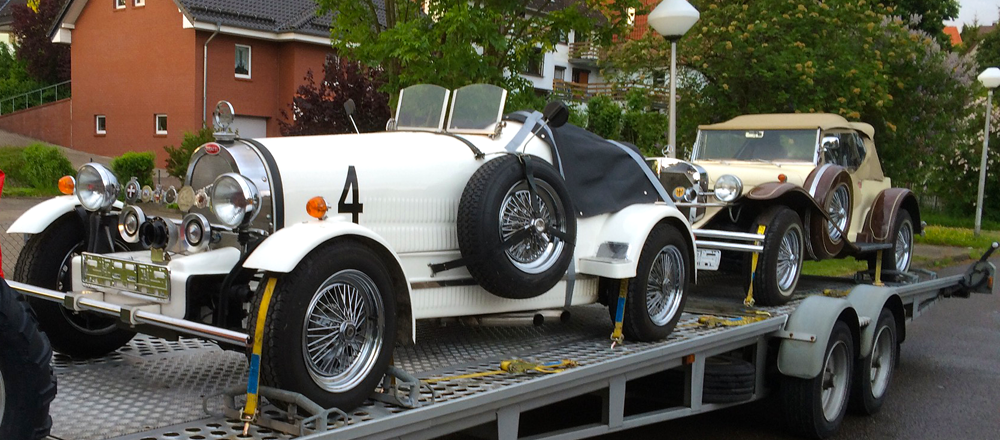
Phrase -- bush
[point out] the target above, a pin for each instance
(605, 117)
(647, 130)
(178, 158)
(132, 164)
(42, 166)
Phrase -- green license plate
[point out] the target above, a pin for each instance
(141, 278)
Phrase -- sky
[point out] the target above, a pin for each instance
(985, 10)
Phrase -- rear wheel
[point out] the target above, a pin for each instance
(27, 384)
(899, 257)
(815, 407)
(873, 373)
(46, 262)
(330, 327)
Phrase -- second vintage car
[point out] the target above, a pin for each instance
(804, 186)
(328, 249)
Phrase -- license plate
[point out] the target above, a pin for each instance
(140, 278)
(708, 259)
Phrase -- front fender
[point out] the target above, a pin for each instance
(40, 216)
(813, 318)
(630, 227)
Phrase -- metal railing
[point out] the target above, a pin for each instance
(35, 98)
(571, 91)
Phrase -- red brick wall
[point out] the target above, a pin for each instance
(49, 122)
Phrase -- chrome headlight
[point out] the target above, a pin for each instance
(728, 188)
(235, 200)
(96, 187)
(129, 221)
(196, 232)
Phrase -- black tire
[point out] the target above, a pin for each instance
(728, 380)
(27, 384)
(803, 398)
(286, 362)
(873, 373)
(45, 262)
(901, 255)
(780, 264)
(494, 205)
(668, 249)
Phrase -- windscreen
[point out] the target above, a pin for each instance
(477, 108)
(757, 145)
(421, 107)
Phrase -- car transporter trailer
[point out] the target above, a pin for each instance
(720, 352)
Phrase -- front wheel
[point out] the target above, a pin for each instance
(46, 262)
(656, 295)
(873, 373)
(815, 407)
(780, 264)
(330, 326)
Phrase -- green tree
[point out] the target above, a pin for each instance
(932, 14)
(14, 78)
(458, 42)
(988, 52)
(178, 158)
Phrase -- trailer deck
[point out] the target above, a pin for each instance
(154, 389)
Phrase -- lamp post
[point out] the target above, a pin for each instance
(991, 79)
(672, 19)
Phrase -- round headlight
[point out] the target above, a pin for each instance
(728, 188)
(235, 200)
(129, 221)
(196, 231)
(96, 187)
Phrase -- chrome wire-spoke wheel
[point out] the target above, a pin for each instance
(89, 323)
(344, 331)
(539, 214)
(789, 258)
(904, 246)
(835, 381)
(839, 204)
(882, 362)
(665, 285)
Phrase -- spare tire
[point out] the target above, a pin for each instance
(516, 237)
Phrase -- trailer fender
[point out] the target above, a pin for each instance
(869, 301)
(807, 333)
(40, 216)
(622, 236)
(284, 249)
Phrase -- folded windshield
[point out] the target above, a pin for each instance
(762, 145)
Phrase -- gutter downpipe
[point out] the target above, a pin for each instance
(204, 77)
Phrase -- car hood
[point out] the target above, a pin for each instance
(756, 173)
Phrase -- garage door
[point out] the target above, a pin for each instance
(250, 126)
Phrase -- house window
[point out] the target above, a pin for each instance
(161, 124)
(630, 16)
(560, 73)
(140, 3)
(536, 63)
(242, 61)
(119, 4)
(100, 124)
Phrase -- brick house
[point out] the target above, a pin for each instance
(146, 71)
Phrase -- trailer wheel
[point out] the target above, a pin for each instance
(27, 384)
(497, 203)
(815, 407)
(899, 257)
(779, 266)
(873, 374)
(330, 327)
(45, 262)
(657, 293)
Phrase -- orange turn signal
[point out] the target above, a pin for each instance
(67, 184)
(782, 178)
(688, 360)
(316, 207)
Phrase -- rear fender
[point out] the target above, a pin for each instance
(285, 249)
(40, 216)
(623, 235)
(807, 332)
(882, 217)
(869, 301)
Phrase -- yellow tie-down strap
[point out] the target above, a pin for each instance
(513, 366)
(253, 398)
(749, 301)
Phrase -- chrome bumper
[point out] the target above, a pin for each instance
(734, 241)
(132, 315)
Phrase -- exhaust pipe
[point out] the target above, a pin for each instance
(516, 319)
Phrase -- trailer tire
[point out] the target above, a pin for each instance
(809, 410)
(780, 265)
(330, 327)
(873, 373)
(45, 262)
(496, 204)
(899, 257)
(664, 264)
(27, 383)
(728, 380)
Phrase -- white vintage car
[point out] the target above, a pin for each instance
(811, 184)
(340, 243)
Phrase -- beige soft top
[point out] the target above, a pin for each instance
(791, 121)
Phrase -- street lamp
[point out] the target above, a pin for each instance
(991, 79)
(672, 19)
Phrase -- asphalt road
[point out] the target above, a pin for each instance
(946, 386)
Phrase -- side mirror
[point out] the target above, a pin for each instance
(830, 143)
(349, 107)
(556, 113)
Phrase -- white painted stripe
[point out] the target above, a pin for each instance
(819, 176)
